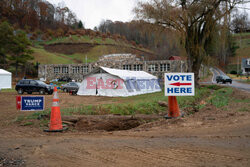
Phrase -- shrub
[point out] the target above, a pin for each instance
(71, 32)
(50, 32)
(233, 72)
(104, 36)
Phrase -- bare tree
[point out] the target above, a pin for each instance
(240, 22)
(194, 19)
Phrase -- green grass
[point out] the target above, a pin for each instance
(247, 100)
(241, 34)
(27, 123)
(244, 43)
(221, 97)
(244, 109)
(104, 47)
(59, 83)
(20, 118)
(242, 52)
(245, 81)
(80, 58)
(143, 104)
(8, 90)
(231, 67)
(44, 57)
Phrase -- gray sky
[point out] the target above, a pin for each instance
(92, 12)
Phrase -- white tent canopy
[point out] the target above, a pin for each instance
(113, 83)
(5, 79)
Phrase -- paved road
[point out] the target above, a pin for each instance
(234, 84)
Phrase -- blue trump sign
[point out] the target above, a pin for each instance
(32, 103)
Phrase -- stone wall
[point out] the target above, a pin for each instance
(121, 61)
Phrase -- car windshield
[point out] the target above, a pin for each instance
(226, 77)
(41, 82)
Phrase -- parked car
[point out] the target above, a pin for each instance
(65, 79)
(223, 79)
(30, 86)
(71, 86)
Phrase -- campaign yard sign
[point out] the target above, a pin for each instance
(32, 103)
(179, 84)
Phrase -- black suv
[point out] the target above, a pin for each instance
(224, 79)
(30, 86)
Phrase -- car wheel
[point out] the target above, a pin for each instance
(41, 92)
(29, 93)
(65, 90)
(20, 91)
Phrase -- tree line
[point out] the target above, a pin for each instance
(199, 30)
(202, 24)
(22, 21)
(164, 42)
(37, 14)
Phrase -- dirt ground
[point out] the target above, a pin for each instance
(210, 137)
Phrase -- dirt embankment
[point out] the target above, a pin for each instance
(71, 48)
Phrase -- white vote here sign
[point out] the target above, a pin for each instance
(179, 84)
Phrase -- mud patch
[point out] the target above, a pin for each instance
(68, 48)
(112, 123)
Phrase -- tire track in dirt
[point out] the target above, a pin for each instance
(187, 156)
(94, 155)
(209, 157)
(166, 156)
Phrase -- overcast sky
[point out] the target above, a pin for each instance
(92, 12)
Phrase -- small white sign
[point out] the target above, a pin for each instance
(179, 84)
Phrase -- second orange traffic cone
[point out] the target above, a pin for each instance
(55, 116)
(173, 108)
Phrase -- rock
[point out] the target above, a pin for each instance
(208, 118)
(68, 123)
(163, 103)
(72, 119)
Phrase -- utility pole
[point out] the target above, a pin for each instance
(225, 33)
(238, 63)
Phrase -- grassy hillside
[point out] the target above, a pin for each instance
(100, 47)
(242, 52)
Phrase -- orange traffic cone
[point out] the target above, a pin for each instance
(55, 116)
(55, 97)
(173, 108)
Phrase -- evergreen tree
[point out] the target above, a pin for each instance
(6, 36)
(20, 51)
(80, 25)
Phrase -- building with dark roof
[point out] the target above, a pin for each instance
(245, 66)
